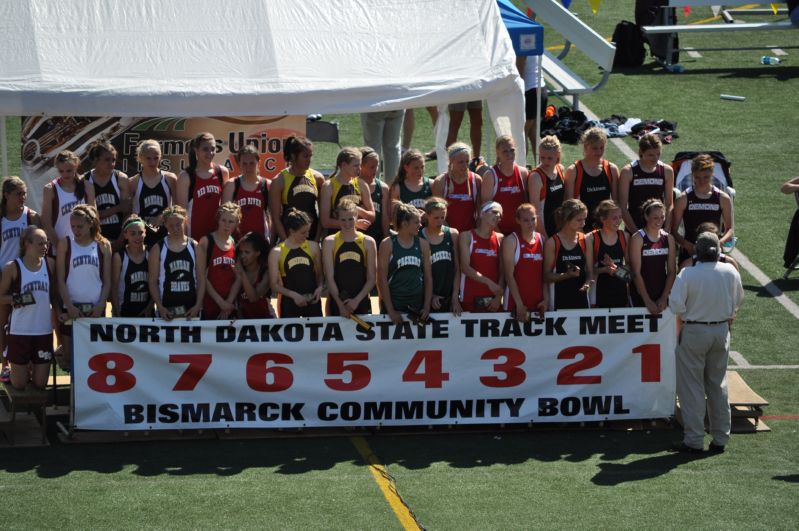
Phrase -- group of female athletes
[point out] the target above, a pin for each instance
(206, 244)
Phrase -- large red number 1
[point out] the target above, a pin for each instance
(650, 362)
(101, 365)
(432, 375)
(591, 358)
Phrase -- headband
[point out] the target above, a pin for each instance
(457, 150)
(489, 206)
(131, 222)
(436, 204)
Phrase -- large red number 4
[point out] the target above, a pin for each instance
(337, 363)
(510, 367)
(650, 362)
(198, 366)
(591, 358)
(259, 369)
(432, 375)
(101, 364)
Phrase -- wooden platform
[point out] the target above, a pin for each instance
(30, 400)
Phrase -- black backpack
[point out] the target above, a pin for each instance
(630, 51)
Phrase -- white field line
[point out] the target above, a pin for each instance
(739, 360)
(776, 51)
(741, 258)
(758, 367)
(693, 53)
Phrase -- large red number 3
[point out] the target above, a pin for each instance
(591, 358)
(109, 364)
(337, 363)
(198, 366)
(432, 375)
(259, 368)
(510, 367)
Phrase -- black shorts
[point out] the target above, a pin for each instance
(529, 103)
(364, 308)
(30, 349)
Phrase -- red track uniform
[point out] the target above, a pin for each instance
(508, 192)
(205, 196)
(528, 272)
(483, 257)
(461, 200)
(220, 275)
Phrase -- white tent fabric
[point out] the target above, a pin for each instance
(255, 57)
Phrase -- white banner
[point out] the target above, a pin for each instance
(132, 374)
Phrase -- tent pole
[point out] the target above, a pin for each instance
(538, 93)
(4, 145)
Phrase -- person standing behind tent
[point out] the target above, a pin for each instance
(345, 183)
(250, 191)
(153, 190)
(251, 266)
(216, 258)
(523, 260)
(199, 188)
(460, 187)
(792, 241)
(456, 112)
(350, 263)
(645, 178)
(15, 217)
(605, 255)
(405, 274)
(295, 269)
(706, 297)
(378, 191)
(701, 203)
(505, 183)
(443, 242)
(545, 184)
(411, 186)
(296, 187)
(63, 194)
(529, 71)
(482, 277)
(111, 189)
(652, 258)
(592, 179)
(564, 258)
(30, 331)
(381, 132)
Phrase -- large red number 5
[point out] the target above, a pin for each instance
(432, 375)
(198, 366)
(101, 365)
(359, 373)
(650, 362)
(259, 368)
(510, 367)
(591, 358)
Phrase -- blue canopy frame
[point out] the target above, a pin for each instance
(526, 34)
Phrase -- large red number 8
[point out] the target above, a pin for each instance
(101, 365)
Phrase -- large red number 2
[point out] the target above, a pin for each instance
(198, 366)
(337, 363)
(650, 362)
(591, 358)
(432, 375)
(510, 367)
(259, 368)
(101, 365)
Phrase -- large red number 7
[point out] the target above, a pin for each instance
(198, 366)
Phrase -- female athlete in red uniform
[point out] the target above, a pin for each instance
(482, 278)
(252, 252)
(216, 258)
(592, 179)
(200, 185)
(564, 258)
(546, 185)
(523, 261)
(249, 190)
(460, 188)
(506, 182)
(653, 260)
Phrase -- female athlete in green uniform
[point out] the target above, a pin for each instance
(443, 242)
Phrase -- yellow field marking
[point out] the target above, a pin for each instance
(386, 484)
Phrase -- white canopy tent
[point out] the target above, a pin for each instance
(189, 58)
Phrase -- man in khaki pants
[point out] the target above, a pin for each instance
(706, 297)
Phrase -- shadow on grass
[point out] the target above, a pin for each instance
(790, 478)
(299, 456)
(781, 73)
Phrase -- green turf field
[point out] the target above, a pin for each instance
(505, 479)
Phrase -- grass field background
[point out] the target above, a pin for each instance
(504, 479)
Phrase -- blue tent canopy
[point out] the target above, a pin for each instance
(527, 35)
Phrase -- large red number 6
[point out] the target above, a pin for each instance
(591, 358)
(198, 366)
(510, 367)
(101, 365)
(432, 375)
(359, 373)
(650, 362)
(258, 369)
